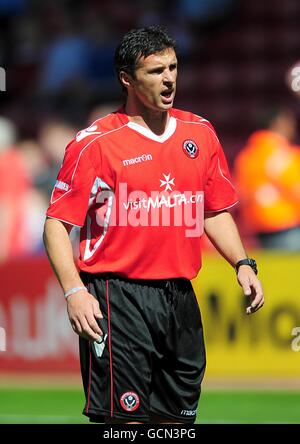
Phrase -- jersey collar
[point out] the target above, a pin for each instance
(146, 132)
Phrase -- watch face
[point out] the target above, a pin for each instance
(253, 265)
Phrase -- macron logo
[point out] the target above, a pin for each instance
(188, 412)
(138, 159)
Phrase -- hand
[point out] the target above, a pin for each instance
(251, 287)
(83, 310)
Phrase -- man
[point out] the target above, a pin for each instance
(267, 171)
(138, 182)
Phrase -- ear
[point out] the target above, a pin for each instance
(125, 79)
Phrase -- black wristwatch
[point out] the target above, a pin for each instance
(250, 262)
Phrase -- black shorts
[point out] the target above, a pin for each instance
(151, 359)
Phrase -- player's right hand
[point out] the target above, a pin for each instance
(83, 310)
(251, 287)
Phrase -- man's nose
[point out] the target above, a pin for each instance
(169, 77)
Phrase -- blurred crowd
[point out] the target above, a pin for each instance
(28, 168)
(58, 54)
(58, 57)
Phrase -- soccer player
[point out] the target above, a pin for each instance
(143, 183)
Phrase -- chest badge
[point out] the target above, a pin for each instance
(190, 149)
(168, 182)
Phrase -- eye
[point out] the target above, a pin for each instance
(173, 66)
(157, 71)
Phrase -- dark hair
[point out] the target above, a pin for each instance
(140, 43)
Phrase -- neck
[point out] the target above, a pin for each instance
(154, 120)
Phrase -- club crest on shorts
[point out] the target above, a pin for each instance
(190, 149)
(130, 401)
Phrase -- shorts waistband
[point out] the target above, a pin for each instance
(164, 283)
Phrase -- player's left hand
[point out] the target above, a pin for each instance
(251, 287)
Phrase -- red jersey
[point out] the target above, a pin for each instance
(140, 198)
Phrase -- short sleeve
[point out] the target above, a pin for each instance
(70, 197)
(219, 192)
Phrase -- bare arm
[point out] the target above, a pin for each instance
(223, 233)
(83, 308)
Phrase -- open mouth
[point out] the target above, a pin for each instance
(167, 94)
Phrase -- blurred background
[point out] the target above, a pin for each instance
(239, 67)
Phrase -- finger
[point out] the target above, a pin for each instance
(88, 332)
(76, 326)
(250, 309)
(258, 295)
(246, 287)
(97, 311)
(93, 325)
(261, 303)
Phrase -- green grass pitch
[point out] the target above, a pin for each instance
(58, 405)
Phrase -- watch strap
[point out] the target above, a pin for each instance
(247, 261)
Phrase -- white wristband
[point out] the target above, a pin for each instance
(74, 290)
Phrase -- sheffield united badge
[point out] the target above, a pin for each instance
(190, 149)
(130, 401)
